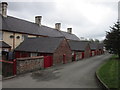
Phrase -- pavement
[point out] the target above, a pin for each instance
(78, 74)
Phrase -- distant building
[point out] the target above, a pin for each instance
(80, 49)
(96, 48)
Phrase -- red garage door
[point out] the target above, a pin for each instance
(48, 61)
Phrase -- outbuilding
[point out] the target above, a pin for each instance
(80, 49)
(95, 48)
(57, 48)
(101, 48)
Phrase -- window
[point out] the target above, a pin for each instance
(11, 36)
(18, 37)
(33, 54)
(24, 36)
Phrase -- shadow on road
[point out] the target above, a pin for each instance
(46, 75)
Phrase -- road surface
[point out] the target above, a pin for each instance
(78, 74)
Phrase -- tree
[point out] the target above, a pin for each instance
(96, 40)
(91, 40)
(112, 41)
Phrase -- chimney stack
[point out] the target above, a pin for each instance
(58, 26)
(3, 9)
(38, 20)
(69, 30)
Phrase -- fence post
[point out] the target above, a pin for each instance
(64, 56)
(74, 56)
(14, 67)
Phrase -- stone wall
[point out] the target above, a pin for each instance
(29, 64)
(61, 50)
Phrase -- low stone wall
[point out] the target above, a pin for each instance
(29, 64)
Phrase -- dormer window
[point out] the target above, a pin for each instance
(11, 36)
(18, 37)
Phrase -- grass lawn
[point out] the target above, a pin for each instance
(109, 72)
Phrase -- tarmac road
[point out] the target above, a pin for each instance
(78, 74)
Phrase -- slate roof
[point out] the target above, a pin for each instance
(22, 26)
(41, 44)
(93, 46)
(78, 45)
(70, 36)
(4, 45)
(100, 45)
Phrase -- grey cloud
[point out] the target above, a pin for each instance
(30, 7)
(82, 27)
(113, 5)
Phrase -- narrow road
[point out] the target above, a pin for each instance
(78, 74)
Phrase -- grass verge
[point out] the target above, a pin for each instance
(109, 72)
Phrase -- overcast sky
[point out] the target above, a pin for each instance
(88, 18)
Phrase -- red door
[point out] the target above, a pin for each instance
(82, 54)
(48, 61)
(17, 54)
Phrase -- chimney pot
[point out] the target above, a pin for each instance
(38, 20)
(58, 26)
(69, 30)
(3, 9)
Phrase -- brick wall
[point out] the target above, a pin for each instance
(29, 64)
(61, 50)
(87, 51)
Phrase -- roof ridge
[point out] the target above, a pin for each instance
(68, 33)
(30, 22)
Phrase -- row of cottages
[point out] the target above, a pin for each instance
(85, 49)
(13, 30)
(30, 39)
(61, 50)
(96, 48)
